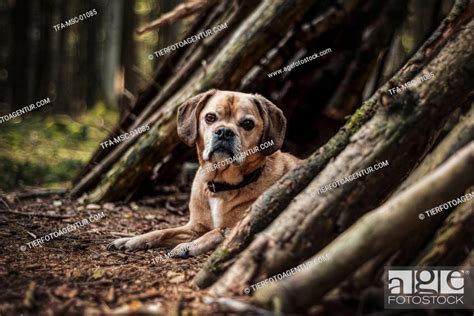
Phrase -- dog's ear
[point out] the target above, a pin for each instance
(188, 115)
(274, 124)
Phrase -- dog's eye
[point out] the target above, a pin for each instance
(210, 118)
(248, 125)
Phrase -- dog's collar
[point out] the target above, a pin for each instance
(215, 187)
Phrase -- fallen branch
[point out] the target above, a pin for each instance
(181, 11)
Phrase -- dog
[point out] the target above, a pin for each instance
(223, 125)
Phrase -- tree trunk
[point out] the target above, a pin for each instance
(129, 54)
(5, 54)
(403, 121)
(112, 20)
(272, 202)
(415, 29)
(370, 235)
(20, 46)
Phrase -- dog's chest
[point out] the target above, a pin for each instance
(215, 205)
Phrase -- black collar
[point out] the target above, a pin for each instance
(222, 186)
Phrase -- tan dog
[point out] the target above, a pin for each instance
(223, 125)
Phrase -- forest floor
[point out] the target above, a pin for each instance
(74, 273)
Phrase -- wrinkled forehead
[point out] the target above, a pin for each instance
(231, 105)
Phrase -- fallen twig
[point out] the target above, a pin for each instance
(42, 193)
(181, 11)
(36, 214)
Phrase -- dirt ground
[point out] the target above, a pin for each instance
(75, 273)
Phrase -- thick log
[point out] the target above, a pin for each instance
(469, 261)
(227, 68)
(270, 204)
(370, 235)
(458, 137)
(450, 245)
(406, 120)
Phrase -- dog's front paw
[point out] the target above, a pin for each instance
(118, 243)
(183, 250)
(130, 243)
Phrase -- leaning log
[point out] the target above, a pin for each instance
(460, 135)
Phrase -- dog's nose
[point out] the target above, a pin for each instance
(224, 133)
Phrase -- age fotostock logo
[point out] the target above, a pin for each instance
(429, 288)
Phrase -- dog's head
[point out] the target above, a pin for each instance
(225, 124)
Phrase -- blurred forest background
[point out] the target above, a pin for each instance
(92, 71)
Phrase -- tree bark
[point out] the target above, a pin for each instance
(404, 120)
(458, 137)
(450, 243)
(372, 233)
(272, 202)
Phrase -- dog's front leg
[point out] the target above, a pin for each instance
(159, 238)
(203, 244)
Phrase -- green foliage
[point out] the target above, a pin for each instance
(49, 151)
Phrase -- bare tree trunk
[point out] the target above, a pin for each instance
(111, 45)
(17, 69)
(164, 70)
(5, 54)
